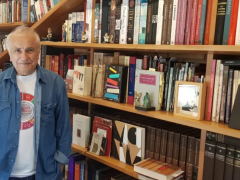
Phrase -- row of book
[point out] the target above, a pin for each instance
(176, 145)
(225, 79)
(3, 44)
(222, 157)
(40, 7)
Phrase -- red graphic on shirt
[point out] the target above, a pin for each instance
(27, 118)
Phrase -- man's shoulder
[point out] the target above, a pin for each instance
(51, 77)
(5, 74)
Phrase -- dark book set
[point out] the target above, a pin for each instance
(222, 157)
(164, 141)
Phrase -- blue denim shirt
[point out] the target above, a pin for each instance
(52, 129)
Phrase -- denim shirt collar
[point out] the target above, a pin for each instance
(11, 74)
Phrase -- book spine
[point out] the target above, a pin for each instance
(169, 89)
(100, 22)
(208, 22)
(224, 94)
(229, 163)
(143, 23)
(130, 28)
(124, 18)
(131, 80)
(198, 22)
(227, 22)
(236, 169)
(104, 20)
(188, 22)
(152, 143)
(221, 12)
(208, 171)
(82, 173)
(149, 22)
(170, 147)
(229, 96)
(169, 23)
(159, 22)
(219, 161)
(96, 23)
(112, 21)
(237, 39)
(176, 146)
(77, 171)
(136, 21)
(182, 22)
(233, 22)
(163, 147)
(165, 21)
(219, 92)
(174, 21)
(235, 87)
(24, 10)
(154, 21)
(215, 95)
(203, 19)
(61, 65)
(194, 21)
(118, 24)
(158, 144)
(190, 157)
(211, 88)
(89, 21)
(178, 21)
(183, 152)
(196, 160)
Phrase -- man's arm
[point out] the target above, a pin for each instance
(63, 127)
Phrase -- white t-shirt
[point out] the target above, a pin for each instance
(25, 164)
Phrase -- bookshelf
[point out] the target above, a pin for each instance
(109, 161)
(10, 26)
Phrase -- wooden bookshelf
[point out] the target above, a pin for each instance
(109, 161)
(6, 27)
(162, 115)
(216, 49)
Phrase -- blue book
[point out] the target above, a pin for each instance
(203, 19)
(78, 35)
(24, 11)
(73, 32)
(227, 22)
(82, 171)
(131, 80)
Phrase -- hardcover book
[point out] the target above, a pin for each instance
(129, 142)
(115, 83)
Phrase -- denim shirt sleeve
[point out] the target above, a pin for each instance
(63, 128)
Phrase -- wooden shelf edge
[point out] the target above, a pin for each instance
(109, 161)
(217, 49)
(162, 115)
(11, 26)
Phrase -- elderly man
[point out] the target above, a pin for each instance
(35, 131)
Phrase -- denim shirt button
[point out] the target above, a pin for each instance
(15, 131)
(17, 116)
(18, 102)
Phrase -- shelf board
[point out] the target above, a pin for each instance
(109, 161)
(216, 49)
(10, 26)
(162, 115)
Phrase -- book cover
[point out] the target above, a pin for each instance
(136, 21)
(227, 22)
(131, 80)
(143, 22)
(233, 22)
(130, 28)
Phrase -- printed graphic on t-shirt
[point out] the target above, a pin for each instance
(27, 119)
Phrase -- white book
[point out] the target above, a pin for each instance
(159, 22)
(81, 78)
(219, 92)
(174, 21)
(69, 27)
(100, 23)
(89, 21)
(124, 22)
(237, 39)
(45, 6)
(137, 21)
(81, 130)
(216, 86)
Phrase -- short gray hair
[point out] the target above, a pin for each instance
(22, 30)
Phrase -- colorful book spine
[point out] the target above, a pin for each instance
(118, 24)
(100, 22)
(96, 23)
(188, 22)
(24, 10)
(208, 22)
(227, 22)
(183, 15)
(169, 24)
(124, 23)
(74, 21)
(237, 39)
(203, 20)
(143, 22)
(174, 21)
(112, 21)
(159, 22)
(194, 22)
(219, 92)
(136, 21)
(130, 28)
(81, 25)
(89, 21)
(165, 21)
(211, 88)
(131, 80)
(70, 28)
(82, 171)
(178, 21)
(233, 22)
(198, 22)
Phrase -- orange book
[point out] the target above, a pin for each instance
(77, 171)
(208, 22)
(233, 22)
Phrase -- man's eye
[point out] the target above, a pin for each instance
(30, 50)
(17, 50)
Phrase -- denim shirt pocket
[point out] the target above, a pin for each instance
(47, 113)
(5, 112)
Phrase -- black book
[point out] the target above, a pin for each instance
(208, 171)
(219, 161)
(130, 29)
(221, 12)
(105, 18)
(228, 172)
(149, 22)
(229, 96)
(236, 169)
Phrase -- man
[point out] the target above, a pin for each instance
(35, 131)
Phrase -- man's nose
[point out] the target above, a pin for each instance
(24, 55)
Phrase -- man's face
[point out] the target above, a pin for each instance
(24, 53)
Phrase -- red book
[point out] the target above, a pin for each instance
(178, 22)
(188, 22)
(77, 171)
(131, 80)
(56, 65)
(61, 65)
(182, 22)
(194, 21)
(233, 22)
(208, 22)
(53, 63)
(104, 128)
(198, 23)
(211, 88)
